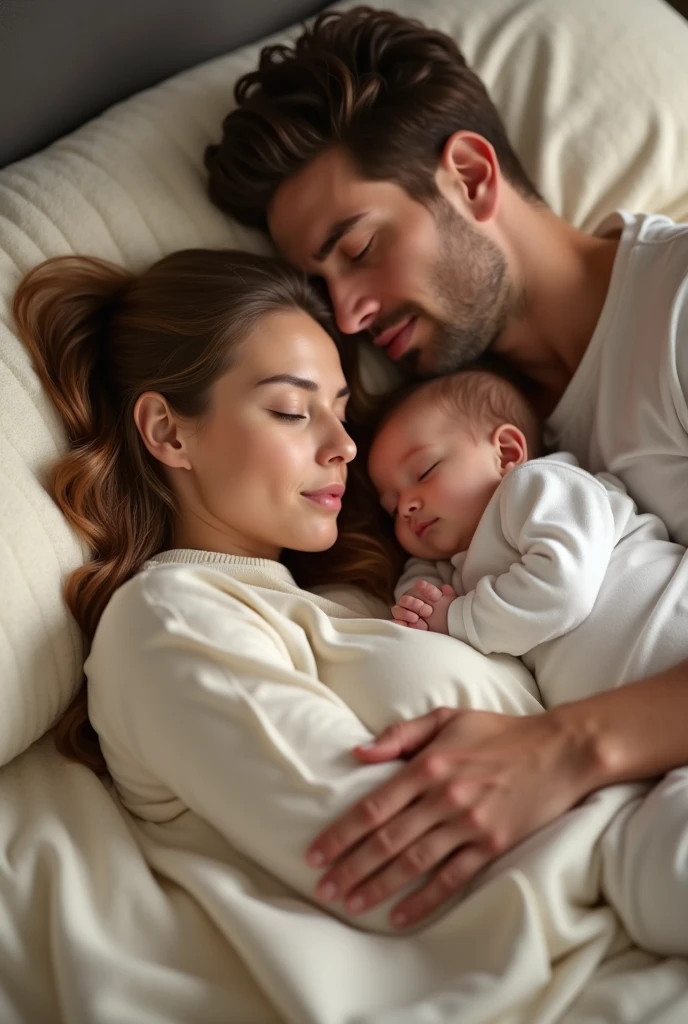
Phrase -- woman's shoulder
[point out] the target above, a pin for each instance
(178, 597)
(168, 613)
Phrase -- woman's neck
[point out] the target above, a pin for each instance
(200, 535)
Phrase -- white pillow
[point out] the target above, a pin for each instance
(593, 96)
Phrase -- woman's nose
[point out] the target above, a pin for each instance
(341, 447)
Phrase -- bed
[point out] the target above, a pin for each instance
(91, 930)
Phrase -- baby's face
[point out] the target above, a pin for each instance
(433, 477)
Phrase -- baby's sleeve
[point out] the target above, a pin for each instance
(417, 569)
(559, 522)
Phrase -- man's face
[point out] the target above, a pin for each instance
(433, 289)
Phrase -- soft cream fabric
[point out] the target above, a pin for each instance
(227, 702)
(592, 94)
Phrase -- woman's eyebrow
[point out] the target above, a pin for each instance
(300, 382)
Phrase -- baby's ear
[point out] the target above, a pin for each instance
(511, 447)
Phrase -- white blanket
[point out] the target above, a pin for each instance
(90, 935)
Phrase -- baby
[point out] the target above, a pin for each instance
(535, 557)
(520, 554)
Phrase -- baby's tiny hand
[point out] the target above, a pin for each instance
(425, 606)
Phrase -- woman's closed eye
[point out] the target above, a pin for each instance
(287, 417)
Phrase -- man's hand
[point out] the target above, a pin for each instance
(425, 606)
(478, 784)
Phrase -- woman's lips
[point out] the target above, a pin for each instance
(329, 498)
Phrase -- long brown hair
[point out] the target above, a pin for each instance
(388, 89)
(100, 336)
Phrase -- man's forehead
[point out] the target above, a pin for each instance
(306, 205)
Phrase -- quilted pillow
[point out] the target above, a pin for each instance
(593, 96)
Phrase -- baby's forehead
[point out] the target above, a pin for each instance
(403, 432)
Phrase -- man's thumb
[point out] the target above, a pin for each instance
(403, 739)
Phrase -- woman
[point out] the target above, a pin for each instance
(204, 403)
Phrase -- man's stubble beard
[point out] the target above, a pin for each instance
(470, 284)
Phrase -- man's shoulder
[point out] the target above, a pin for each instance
(645, 233)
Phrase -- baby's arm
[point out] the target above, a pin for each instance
(559, 521)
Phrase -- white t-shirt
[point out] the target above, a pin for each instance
(625, 410)
(565, 573)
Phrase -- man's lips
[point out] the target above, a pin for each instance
(420, 529)
(396, 340)
(329, 497)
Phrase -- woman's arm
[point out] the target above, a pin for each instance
(202, 704)
(492, 780)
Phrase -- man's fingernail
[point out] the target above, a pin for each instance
(316, 859)
(398, 919)
(355, 904)
(327, 892)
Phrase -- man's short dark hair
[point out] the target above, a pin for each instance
(387, 89)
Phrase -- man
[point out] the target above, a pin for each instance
(375, 159)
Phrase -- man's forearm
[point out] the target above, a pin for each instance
(638, 731)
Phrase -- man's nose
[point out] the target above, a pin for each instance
(354, 310)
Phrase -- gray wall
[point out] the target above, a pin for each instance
(64, 61)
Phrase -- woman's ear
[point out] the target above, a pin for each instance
(159, 430)
(469, 170)
(510, 446)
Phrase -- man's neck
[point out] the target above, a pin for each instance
(562, 277)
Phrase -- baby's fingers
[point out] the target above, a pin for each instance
(415, 604)
(418, 624)
(405, 615)
(427, 591)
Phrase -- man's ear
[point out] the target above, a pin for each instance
(469, 171)
(510, 446)
(160, 431)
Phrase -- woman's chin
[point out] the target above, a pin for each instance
(317, 539)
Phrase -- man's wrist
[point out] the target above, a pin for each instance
(589, 753)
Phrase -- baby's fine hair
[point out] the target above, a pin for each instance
(481, 399)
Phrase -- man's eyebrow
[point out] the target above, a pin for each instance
(337, 231)
(300, 382)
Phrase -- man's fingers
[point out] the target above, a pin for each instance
(365, 817)
(403, 739)
(444, 884)
(412, 860)
(373, 853)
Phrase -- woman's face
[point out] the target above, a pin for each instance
(267, 466)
